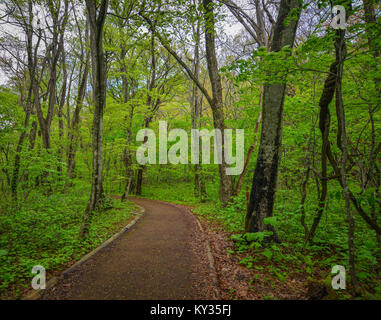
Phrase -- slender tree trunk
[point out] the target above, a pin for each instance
(60, 114)
(201, 177)
(128, 93)
(326, 98)
(249, 153)
(127, 158)
(199, 184)
(73, 130)
(32, 135)
(96, 22)
(28, 107)
(324, 125)
(16, 165)
(73, 133)
(340, 56)
(226, 182)
(266, 172)
(152, 108)
(139, 180)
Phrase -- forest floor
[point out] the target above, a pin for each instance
(237, 282)
(163, 256)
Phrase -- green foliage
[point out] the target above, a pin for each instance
(45, 232)
(42, 226)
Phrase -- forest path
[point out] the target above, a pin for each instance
(163, 256)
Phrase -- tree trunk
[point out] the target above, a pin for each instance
(72, 134)
(195, 103)
(96, 22)
(139, 180)
(128, 93)
(226, 183)
(266, 172)
(32, 59)
(340, 57)
(152, 108)
(60, 114)
(249, 153)
(73, 130)
(324, 125)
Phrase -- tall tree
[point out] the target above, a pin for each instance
(263, 189)
(55, 48)
(73, 123)
(226, 183)
(96, 17)
(27, 25)
(152, 107)
(196, 106)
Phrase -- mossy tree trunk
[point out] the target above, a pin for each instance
(266, 172)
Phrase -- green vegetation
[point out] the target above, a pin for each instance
(44, 231)
(80, 82)
(293, 255)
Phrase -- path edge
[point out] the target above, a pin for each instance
(37, 294)
(211, 261)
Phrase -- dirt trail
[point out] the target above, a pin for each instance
(162, 257)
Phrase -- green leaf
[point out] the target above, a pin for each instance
(270, 221)
(267, 253)
(3, 252)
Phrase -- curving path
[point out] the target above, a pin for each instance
(163, 256)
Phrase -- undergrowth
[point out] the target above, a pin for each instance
(44, 231)
(293, 255)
